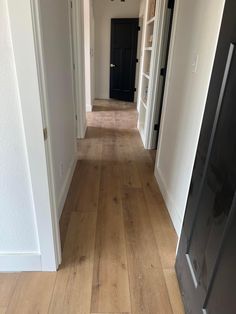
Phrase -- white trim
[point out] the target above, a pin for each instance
(170, 204)
(30, 96)
(159, 177)
(87, 54)
(142, 47)
(168, 74)
(73, 72)
(155, 65)
(66, 186)
(39, 51)
(78, 40)
(155, 68)
(20, 262)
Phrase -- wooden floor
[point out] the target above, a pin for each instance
(117, 238)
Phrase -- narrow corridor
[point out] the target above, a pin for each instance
(117, 238)
(116, 232)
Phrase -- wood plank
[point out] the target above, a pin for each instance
(84, 188)
(174, 292)
(148, 289)
(7, 286)
(32, 293)
(110, 278)
(72, 292)
(164, 231)
(69, 206)
(86, 196)
(130, 174)
(150, 236)
(87, 172)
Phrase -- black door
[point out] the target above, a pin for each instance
(206, 259)
(124, 38)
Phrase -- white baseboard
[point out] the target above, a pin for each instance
(17, 262)
(82, 131)
(172, 208)
(66, 186)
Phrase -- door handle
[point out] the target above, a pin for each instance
(112, 65)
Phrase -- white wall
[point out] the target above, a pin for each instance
(18, 232)
(61, 111)
(87, 64)
(92, 51)
(104, 10)
(79, 71)
(89, 53)
(196, 30)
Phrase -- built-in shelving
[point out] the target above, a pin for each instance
(146, 72)
(152, 20)
(144, 104)
(146, 75)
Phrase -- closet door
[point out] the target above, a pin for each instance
(207, 255)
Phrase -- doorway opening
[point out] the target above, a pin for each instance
(111, 50)
(126, 50)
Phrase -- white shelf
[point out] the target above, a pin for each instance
(149, 44)
(146, 75)
(144, 104)
(151, 20)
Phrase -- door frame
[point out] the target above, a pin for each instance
(78, 68)
(159, 34)
(24, 17)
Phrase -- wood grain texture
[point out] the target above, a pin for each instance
(117, 238)
(129, 170)
(85, 182)
(174, 293)
(163, 229)
(148, 289)
(89, 173)
(72, 292)
(32, 294)
(7, 286)
(110, 277)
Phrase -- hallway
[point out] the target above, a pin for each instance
(114, 204)
(117, 238)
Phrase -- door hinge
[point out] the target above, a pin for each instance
(73, 66)
(135, 89)
(45, 134)
(139, 28)
(163, 72)
(71, 4)
(171, 4)
(156, 127)
(136, 60)
(76, 117)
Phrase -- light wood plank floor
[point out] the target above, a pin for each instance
(117, 238)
